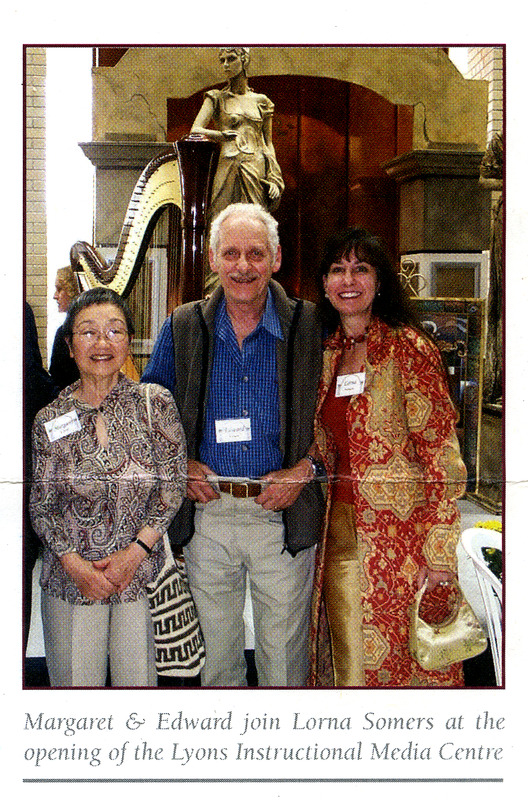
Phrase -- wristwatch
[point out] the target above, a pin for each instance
(318, 467)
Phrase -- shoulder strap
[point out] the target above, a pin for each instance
(147, 400)
(204, 372)
(289, 379)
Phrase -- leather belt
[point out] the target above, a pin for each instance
(240, 489)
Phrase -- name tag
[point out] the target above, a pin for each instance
(347, 385)
(233, 430)
(62, 426)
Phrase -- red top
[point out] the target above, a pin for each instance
(333, 418)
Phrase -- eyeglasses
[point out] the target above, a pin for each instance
(91, 335)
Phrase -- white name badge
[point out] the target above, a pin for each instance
(233, 430)
(347, 385)
(62, 426)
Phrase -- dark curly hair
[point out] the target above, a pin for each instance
(96, 297)
(391, 303)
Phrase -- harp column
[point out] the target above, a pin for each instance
(198, 159)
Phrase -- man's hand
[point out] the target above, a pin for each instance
(199, 488)
(284, 486)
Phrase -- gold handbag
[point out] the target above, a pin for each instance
(457, 638)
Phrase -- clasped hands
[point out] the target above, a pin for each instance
(98, 580)
(282, 487)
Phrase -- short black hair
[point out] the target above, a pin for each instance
(391, 303)
(96, 297)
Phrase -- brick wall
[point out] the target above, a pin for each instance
(486, 63)
(36, 239)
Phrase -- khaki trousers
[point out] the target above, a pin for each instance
(82, 641)
(235, 542)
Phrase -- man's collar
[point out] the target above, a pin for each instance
(269, 320)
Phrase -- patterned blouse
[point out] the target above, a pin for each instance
(105, 475)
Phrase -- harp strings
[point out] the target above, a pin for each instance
(147, 298)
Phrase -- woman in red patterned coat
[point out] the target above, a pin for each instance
(385, 429)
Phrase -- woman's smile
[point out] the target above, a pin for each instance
(100, 342)
(351, 286)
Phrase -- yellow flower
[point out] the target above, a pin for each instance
(491, 524)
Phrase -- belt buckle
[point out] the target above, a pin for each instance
(246, 485)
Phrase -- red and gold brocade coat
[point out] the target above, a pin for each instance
(406, 473)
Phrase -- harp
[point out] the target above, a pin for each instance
(180, 178)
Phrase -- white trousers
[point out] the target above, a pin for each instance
(236, 541)
(81, 641)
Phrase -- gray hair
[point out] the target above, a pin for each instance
(251, 211)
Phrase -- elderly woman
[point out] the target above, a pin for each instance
(385, 429)
(62, 367)
(109, 475)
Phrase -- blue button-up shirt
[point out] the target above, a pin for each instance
(160, 367)
(243, 385)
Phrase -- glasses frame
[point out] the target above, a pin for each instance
(91, 336)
